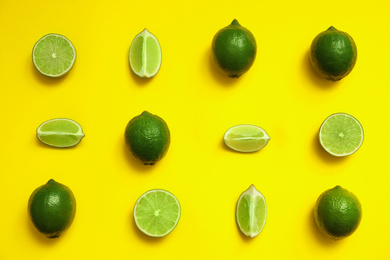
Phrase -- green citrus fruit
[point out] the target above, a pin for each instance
(337, 213)
(251, 212)
(53, 55)
(333, 54)
(145, 54)
(52, 208)
(60, 132)
(246, 138)
(234, 49)
(148, 138)
(157, 212)
(341, 134)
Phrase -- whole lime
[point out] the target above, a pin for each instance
(333, 54)
(234, 49)
(337, 213)
(52, 208)
(148, 138)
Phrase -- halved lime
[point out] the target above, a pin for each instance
(60, 132)
(145, 54)
(341, 134)
(251, 212)
(53, 55)
(157, 212)
(246, 138)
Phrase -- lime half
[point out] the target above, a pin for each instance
(156, 213)
(53, 55)
(251, 212)
(145, 54)
(246, 138)
(341, 134)
(60, 132)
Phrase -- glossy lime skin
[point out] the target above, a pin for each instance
(52, 208)
(338, 213)
(333, 54)
(234, 50)
(148, 138)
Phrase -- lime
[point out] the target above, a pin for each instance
(341, 134)
(53, 55)
(52, 208)
(246, 138)
(251, 212)
(145, 54)
(333, 54)
(337, 213)
(148, 138)
(156, 213)
(60, 132)
(234, 49)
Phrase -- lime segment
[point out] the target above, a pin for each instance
(60, 132)
(246, 138)
(251, 212)
(145, 54)
(156, 213)
(341, 134)
(53, 55)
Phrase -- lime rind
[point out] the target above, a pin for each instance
(60, 132)
(251, 212)
(246, 138)
(341, 134)
(53, 58)
(150, 62)
(145, 213)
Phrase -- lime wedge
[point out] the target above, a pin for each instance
(251, 212)
(157, 213)
(145, 54)
(341, 134)
(53, 55)
(246, 138)
(60, 132)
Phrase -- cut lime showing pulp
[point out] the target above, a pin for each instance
(53, 55)
(145, 54)
(157, 212)
(341, 134)
(251, 212)
(60, 132)
(246, 138)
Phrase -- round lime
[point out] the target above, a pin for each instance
(234, 49)
(333, 54)
(53, 55)
(337, 213)
(341, 134)
(148, 138)
(157, 212)
(52, 208)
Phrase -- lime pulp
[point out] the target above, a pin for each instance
(157, 212)
(53, 55)
(341, 134)
(60, 132)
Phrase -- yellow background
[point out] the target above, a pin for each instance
(280, 93)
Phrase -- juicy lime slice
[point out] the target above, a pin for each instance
(145, 54)
(251, 212)
(60, 132)
(341, 134)
(157, 213)
(246, 138)
(53, 55)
